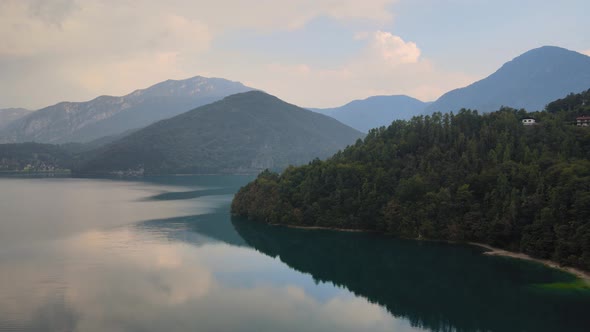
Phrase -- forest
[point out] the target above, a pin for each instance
(459, 177)
(34, 157)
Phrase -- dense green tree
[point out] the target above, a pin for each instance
(461, 177)
(34, 157)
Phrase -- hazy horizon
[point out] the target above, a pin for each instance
(314, 54)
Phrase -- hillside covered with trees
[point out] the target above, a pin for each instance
(243, 133)
(460, 177)
(34, 157)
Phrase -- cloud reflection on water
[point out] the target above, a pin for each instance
(107, 284)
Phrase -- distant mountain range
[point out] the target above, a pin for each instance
(530, 81)
(242, 133)
(375, 111)
(8, 115)
(107, 115)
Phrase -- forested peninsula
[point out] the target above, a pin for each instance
(486, 178)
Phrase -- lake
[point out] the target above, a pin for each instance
(164, 254)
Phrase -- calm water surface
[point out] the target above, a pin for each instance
(163, 254)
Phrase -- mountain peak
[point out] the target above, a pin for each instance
(108, 115)
(547, 56)
(375, 111)
(530, 81)
(252, 95)
(245, 132)
(549, 49)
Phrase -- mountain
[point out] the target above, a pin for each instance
(246, 132)
(8, 115)
(108, 115)
(530, 81)
(376, 111)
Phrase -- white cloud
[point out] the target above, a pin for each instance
(78, 49)
(388, 65)
(587, 52)
(393, 49)
(160, 283)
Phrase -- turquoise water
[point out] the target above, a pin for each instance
(164, 254)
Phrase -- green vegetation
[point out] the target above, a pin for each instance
(243, 133)
(461, 177)
(34, 157)
(576, 104)
(575, 285)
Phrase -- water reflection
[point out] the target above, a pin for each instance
(159, 285)
(187, 272)
(436, 286)
(164, 254)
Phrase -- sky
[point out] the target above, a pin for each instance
(313, 53)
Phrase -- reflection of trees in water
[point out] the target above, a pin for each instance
(202, 229)
(436, 286)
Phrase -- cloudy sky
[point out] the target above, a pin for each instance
(315, 53)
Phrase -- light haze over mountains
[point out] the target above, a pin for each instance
(8, 115)
(529, 81)
(375, 111)
(108, 115)
(243, 133)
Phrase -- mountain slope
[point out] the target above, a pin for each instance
(246, 132)
(376, 111)
(529, 81)
(34, 157)
(108, 115)
(8, 115)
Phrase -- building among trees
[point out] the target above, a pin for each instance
(583, 121)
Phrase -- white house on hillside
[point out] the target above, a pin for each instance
(583, 121)
(528, 121)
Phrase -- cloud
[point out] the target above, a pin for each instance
(51, 12)
(386, 65)
(281, 14)
(393, 49)
(77, 50)
(158, 283)
(587, 52)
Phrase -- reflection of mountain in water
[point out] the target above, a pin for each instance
(437, 286)
(196, 230)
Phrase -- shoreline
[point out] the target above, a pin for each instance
(491, 251)
(323, 228)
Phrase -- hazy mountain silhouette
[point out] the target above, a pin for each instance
(530, 81)
(246, 132)
(108, 115)
(8, 115)
(375, 111)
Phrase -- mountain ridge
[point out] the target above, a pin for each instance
(110, 115)
(375, 111)
(9, 115)
(242, 133)
(529, 81)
